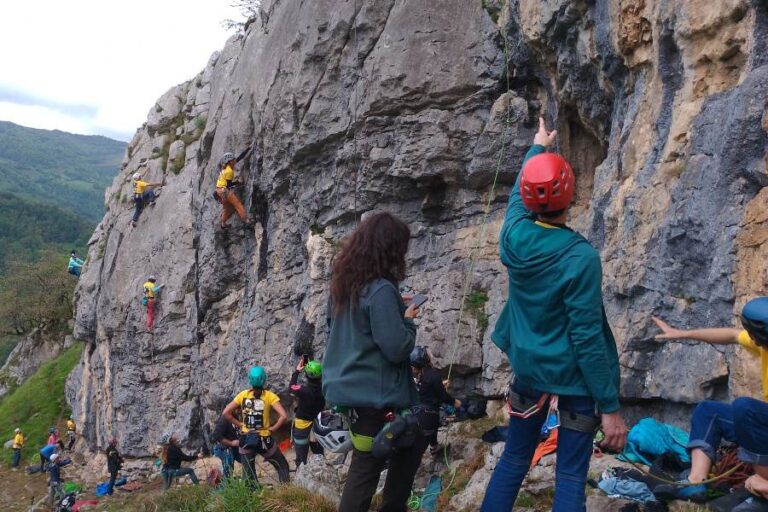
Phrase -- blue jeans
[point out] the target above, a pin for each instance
(574, 449)
(170, 474)
(224, 454)
(16, 458)
(744, 422)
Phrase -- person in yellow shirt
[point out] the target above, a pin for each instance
(743, 422)
(250, 412)
(71, 433)
(18, 444)
(151, 290)
(224, 188)
(143, 193)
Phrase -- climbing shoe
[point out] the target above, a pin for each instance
(752, 504)
(682, 491)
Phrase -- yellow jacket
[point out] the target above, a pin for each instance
(71, 426)
(18, 441)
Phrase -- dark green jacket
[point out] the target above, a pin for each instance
(367, 360)
(553, 327)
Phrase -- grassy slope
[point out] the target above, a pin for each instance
(38, 403)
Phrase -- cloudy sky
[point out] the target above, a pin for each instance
(97, 66)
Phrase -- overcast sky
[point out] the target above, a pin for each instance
(97, 66)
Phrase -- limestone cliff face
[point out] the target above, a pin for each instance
(407, 106)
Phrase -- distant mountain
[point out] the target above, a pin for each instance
(67, 170)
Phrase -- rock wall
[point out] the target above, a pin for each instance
(31, 352)
(412, 106)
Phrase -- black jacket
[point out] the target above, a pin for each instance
(175, 457)
(223, 430)
(114, 460)
(310, 400)
(432, 393)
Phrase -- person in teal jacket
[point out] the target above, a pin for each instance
(554, 331)
(366, 368)
(75, 264)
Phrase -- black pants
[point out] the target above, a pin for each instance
(272, 454)
(429, 420)
(365, 469)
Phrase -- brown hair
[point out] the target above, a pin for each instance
(376, 249)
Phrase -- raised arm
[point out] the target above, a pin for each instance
(715, 336)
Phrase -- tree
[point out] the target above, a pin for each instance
(36, 293)
(249, 9)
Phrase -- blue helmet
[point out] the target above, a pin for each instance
(754, 318)
(257, 377)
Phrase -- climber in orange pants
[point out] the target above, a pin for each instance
(224, 189)
(150, 294)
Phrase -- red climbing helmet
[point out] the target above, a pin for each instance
(547, 183)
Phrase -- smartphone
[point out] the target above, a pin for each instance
(305, 359)
(418, 300)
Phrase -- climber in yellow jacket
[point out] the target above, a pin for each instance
(71, 432)
(18, 444)
(151, 289)
(143, 192)
(224, 188)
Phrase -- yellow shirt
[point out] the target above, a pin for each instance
(71, 426)
(746, 341)
(18, 441)
(149, 290)
(254, 412)
(139, 186)
(226, 175)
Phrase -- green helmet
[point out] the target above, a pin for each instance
(257, 377)
(314, 369)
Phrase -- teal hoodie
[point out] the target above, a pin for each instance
(367, 359)
(553, 327)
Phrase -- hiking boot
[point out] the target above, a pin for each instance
(133, 223)
(752, 504)
(683, 491)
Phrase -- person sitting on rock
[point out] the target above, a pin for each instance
(432, 394)
(366, 365)
(224, 188)
(143, 193)
(151, 291)
(172, 457)
(555, 334)
(114, 464)
(250, 412)
(743, 422)
(309, 403)
(75, 264)
(227, 442)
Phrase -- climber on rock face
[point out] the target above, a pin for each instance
(743, 422)
(432, 394)
(554, 331)
(250, 412)
(143, 193)
(224, 188)
(151, 291)
(309, 403)
(75, 264)
(366, 363)
(71, 433)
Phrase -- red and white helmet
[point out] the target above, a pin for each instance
(547, 183)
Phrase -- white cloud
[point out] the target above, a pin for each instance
(95, 66)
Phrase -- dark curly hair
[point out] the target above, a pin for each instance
(376, 249)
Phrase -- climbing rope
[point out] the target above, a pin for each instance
(358, 74)
(684, 484)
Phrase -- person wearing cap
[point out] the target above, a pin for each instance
(743, 422)
(151, 291)
(54, 479)
(555, 334)
(18, 444)
(225, 184)
(143, 193)
(114, 464)
(75, 264)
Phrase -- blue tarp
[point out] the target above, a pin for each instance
(650, 439)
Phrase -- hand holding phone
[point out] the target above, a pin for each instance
(418, 300)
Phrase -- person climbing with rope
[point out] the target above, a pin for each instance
(225, 185)
(309, 403)
(143, 193)
(250, 411)
(432, 394)
(366, 367)
(555, 333)
(743, 422)
(151, 291)
(172, 457)
(75, 264)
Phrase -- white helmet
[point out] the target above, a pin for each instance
(332, 432)
(54, 457)
(17, 430)
(226, 158)
(137, 175)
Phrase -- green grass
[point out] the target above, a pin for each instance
(475, 306)
(38, 403)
